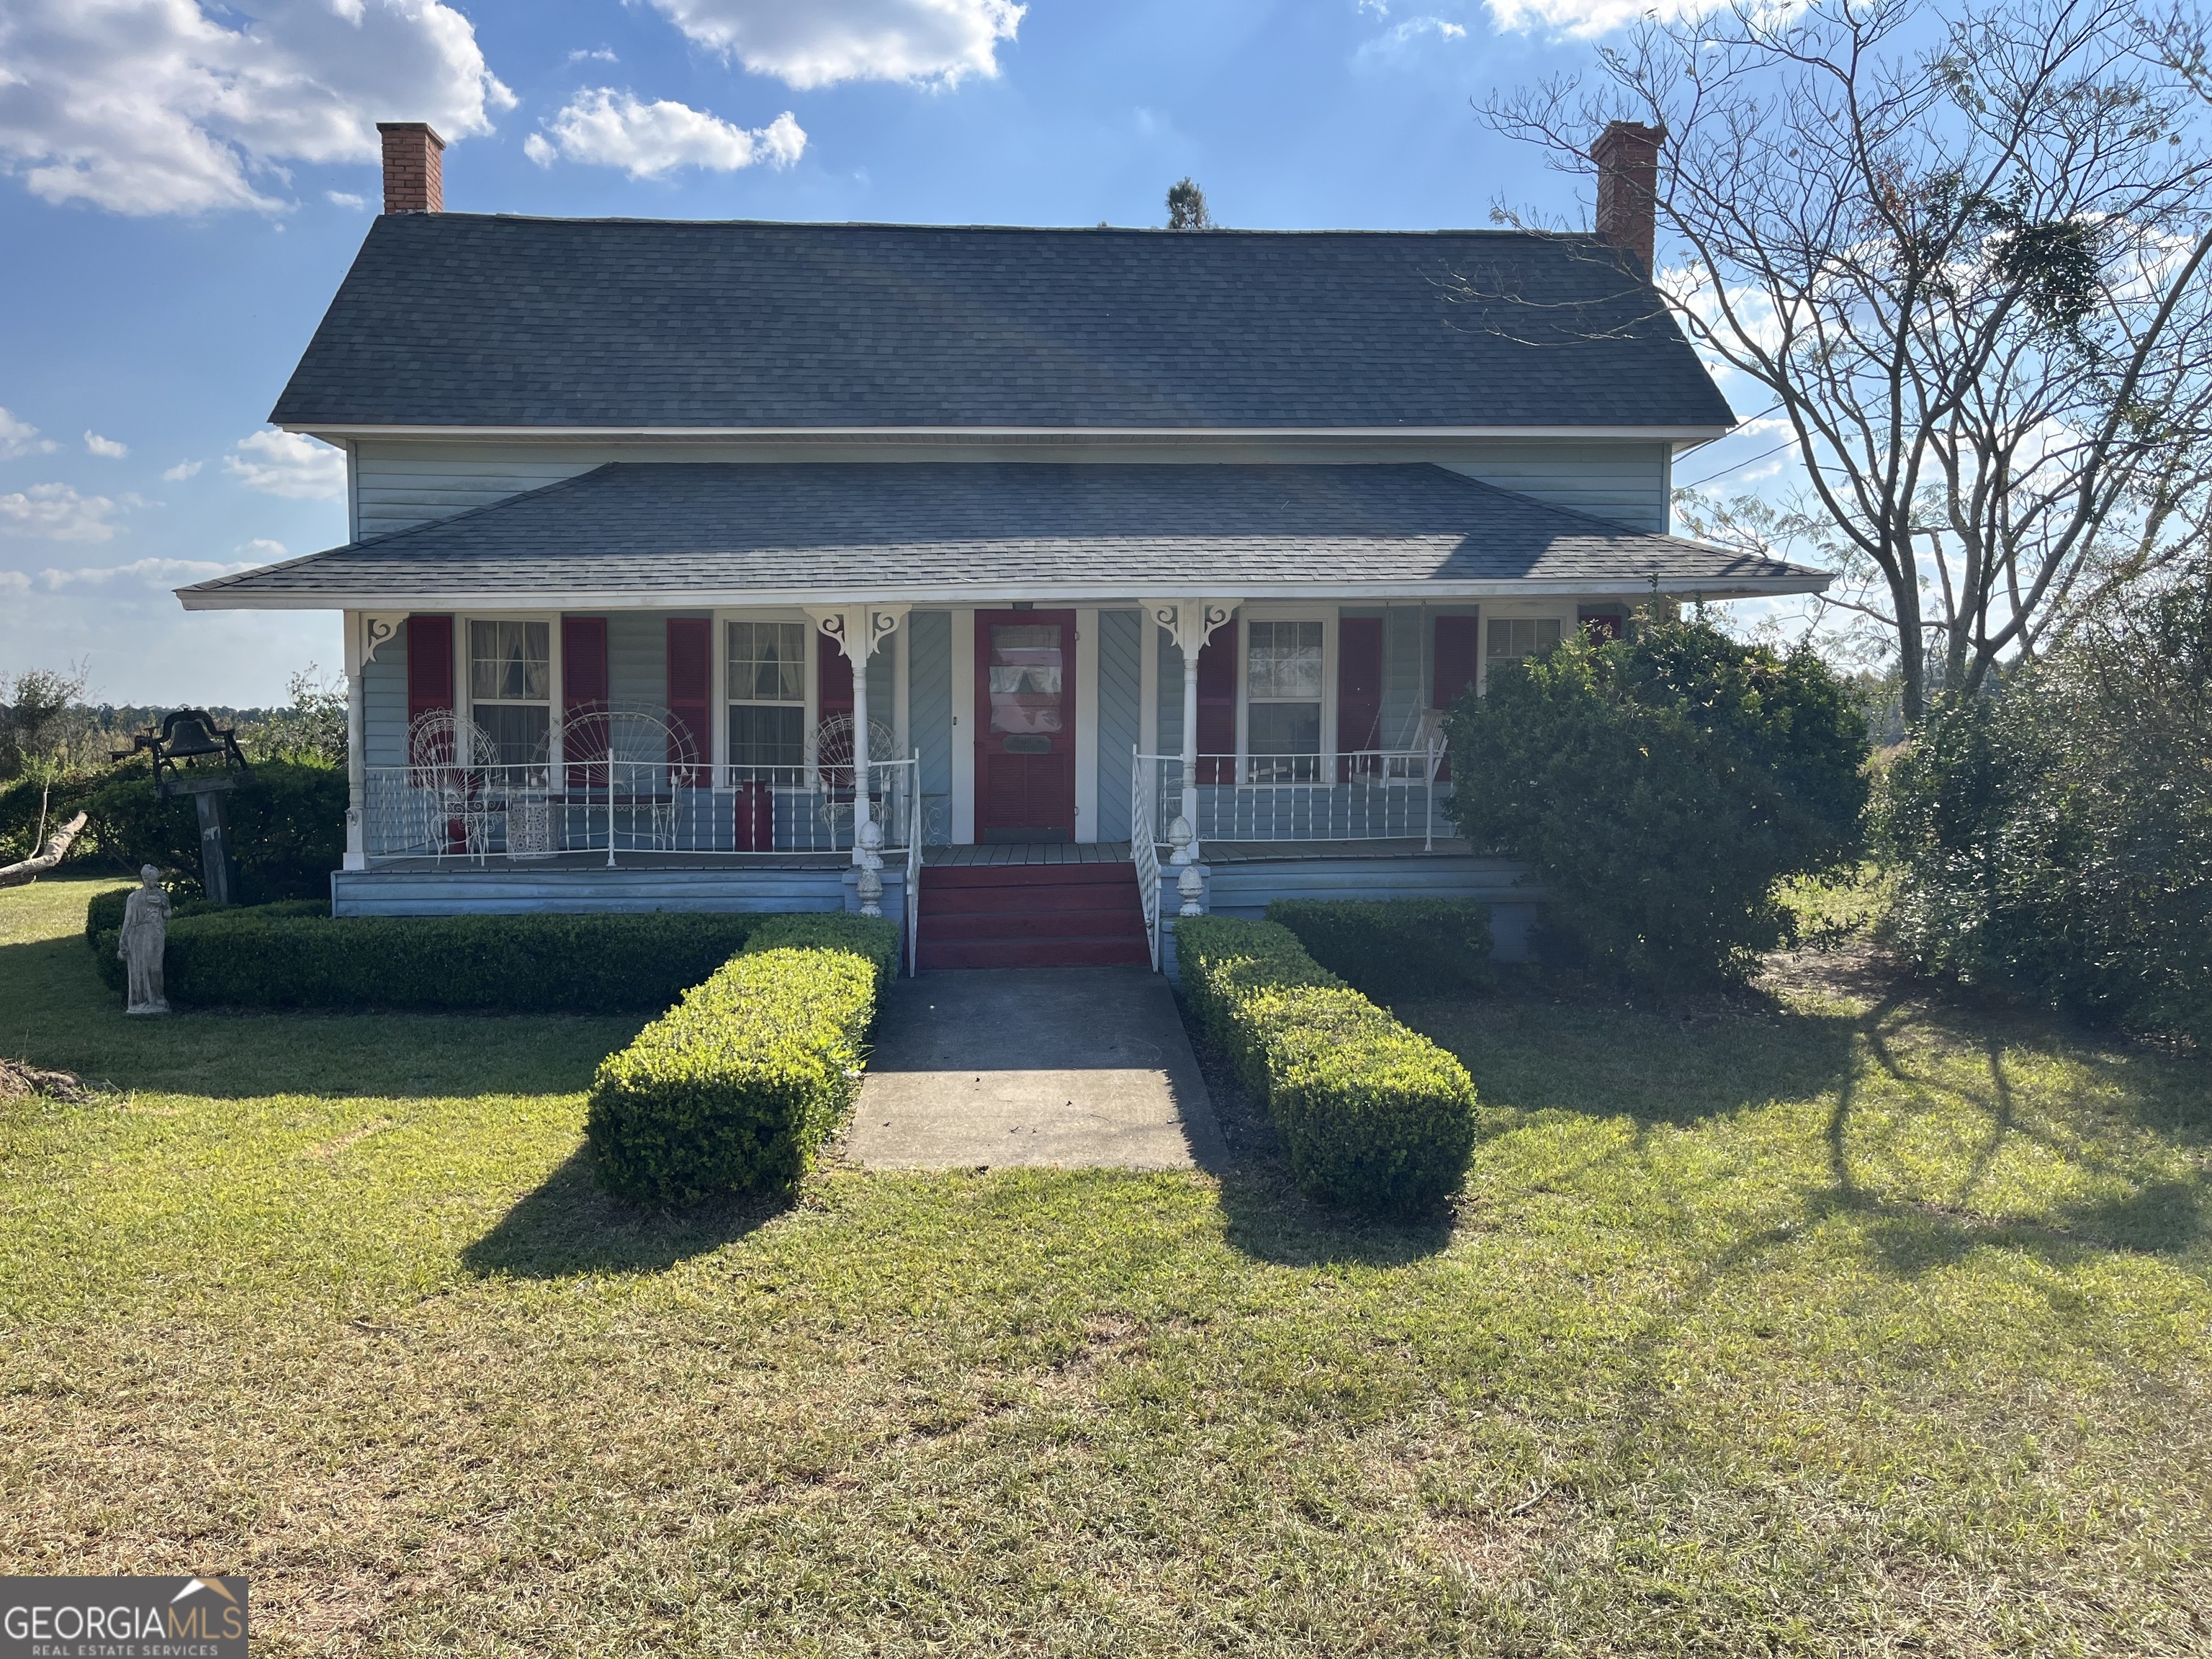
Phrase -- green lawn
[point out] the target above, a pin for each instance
(1837, 1325)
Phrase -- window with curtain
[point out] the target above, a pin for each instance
(511, 690)
(1514, 640)
(1282, 701)
(767, 694)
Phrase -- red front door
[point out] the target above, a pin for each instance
(1024, 725)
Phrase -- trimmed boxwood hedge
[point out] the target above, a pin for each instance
(1372, 1116)
(1395, 947)
(737, 1088)
(273, 956)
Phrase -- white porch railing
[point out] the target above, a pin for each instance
(1373, 794)
(914, 833)
(1146, 852)
(613, 807)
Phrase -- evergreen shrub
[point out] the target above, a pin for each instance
(1660, 786)
(1372, 1116)
(1395, 947)
(2053, 839)
(287, 829)
(295, 954)
(739, 1087)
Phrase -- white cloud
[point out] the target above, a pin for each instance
(107, 448)
(151, 572)
(346, 198)
(181, 470)
(593, 55)
(262, 550)
(931, 42)
(288, 464)
(56, 512)
(610, 129)
(148, 107)
(20, 437)
(1585, 18)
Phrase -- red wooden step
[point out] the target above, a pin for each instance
(1035, 953)
(1096, 924)
(1028, 900)
(1027, 875)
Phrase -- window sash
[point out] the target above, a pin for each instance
(767, 664)
(510, 662)
(768, 734)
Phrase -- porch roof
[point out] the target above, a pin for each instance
(645, 534)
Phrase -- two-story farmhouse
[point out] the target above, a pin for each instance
(977, 573)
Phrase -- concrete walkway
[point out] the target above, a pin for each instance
(1070, 1067)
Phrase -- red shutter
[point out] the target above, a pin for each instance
(1217, 704)
(1455, 660)
(691, 689)
(429, 678)
(1358, 689)
(583, 696)
(832, 677)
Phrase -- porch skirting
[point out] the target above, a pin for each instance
(500, 889)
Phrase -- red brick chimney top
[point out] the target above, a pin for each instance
(414, 174)
(1627, 157)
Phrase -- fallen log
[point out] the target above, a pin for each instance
(57, 845)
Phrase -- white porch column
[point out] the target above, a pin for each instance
(857, 629)
(1191, 622)
(364, 632)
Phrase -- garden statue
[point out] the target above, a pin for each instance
(145, 936)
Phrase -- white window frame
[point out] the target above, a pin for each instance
(811, 720)
(1326, 615)
(1508, 613)
(464, 687)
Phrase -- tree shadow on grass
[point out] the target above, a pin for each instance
(569, 1225)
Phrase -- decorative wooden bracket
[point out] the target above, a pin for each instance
(1190, 622)
(859, 628)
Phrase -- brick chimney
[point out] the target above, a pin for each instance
(1627, 157)
(414, 175)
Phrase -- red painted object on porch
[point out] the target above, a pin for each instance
(1032, 915)
(756, 817)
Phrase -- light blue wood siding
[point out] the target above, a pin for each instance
(384, 705)
(929, 717)
(1121, 663)
(1623, 482)
(1170, 696)
(490, 889)
(398, 486)
(1245, 888)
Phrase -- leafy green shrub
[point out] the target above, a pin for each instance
(2053, 839)
(103, 913)
(737, 1088)
(287, 829)
(274, 956)
(1659, 785)
(1395, 947)
(1372, 1116)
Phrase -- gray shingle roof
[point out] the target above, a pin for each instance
(463, 320)
(674, 532)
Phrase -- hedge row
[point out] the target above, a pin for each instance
(274, 956)
(737, 1087)
(1395, 947)
(1372, 1116)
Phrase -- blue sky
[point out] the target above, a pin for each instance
(182, 186)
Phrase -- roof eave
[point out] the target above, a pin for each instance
(214, 597)
(335, 431)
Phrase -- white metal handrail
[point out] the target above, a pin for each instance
(1144, 850)
(1370, 794)
(914, 881)
(457, 813)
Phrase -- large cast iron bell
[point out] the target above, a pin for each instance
(185, 735)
